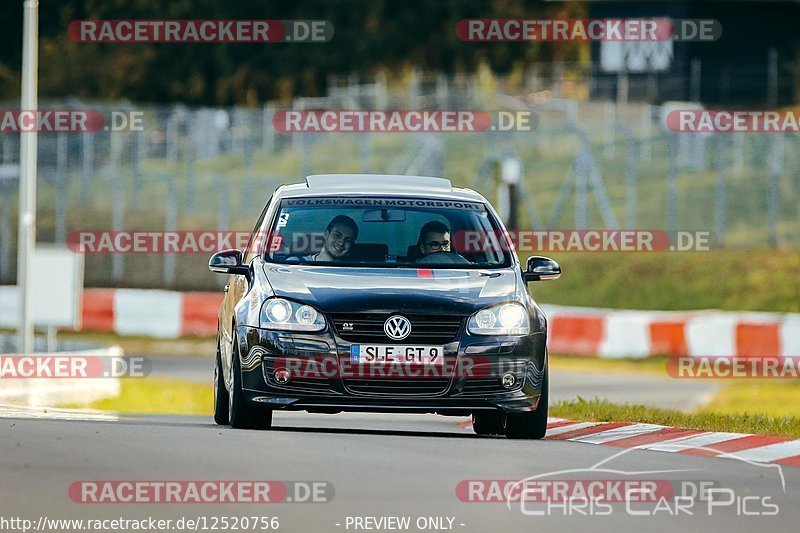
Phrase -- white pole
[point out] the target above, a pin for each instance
(27, 176)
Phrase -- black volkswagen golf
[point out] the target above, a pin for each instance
(382, 294)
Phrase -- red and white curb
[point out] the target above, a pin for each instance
(614, 333)
(743, 446)
(593, 332)
(153, 313)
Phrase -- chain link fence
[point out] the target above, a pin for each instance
(586, 164)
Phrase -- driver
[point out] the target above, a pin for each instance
(338, 240)
(433, 237)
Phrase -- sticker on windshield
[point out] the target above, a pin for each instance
(383, 202)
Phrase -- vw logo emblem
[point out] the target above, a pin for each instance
(397, 327)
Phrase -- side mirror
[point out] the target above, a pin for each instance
(228, 262)
(541, 268)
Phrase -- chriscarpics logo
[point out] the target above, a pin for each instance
(602, 490)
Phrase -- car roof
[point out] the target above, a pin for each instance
(377, 184)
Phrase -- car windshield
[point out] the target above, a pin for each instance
(383, 232)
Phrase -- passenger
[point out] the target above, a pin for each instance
(338, 240)
(433, 237)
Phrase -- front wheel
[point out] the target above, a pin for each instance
(242, 415)
(530, 425)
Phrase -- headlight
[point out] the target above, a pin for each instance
(277, 313)
(505, 319)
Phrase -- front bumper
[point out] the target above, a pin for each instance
(323, 381)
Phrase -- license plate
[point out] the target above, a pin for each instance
(387, 353)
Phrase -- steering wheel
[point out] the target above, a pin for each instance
(443, 258)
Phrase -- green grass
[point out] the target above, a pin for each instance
(755, 280)
(778, 398)
(159, 396)
(604, 411)
(655, 365)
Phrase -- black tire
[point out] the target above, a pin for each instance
(487, 423)
(221, 415)
(242, 415)
(531, 425)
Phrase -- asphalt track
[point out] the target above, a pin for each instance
(401, 465)
(378, 465)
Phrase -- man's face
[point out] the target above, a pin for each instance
(435, 242)
(339, 240)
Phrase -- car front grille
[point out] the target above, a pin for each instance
(425, 329)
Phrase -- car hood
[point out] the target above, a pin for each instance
(345, 289)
